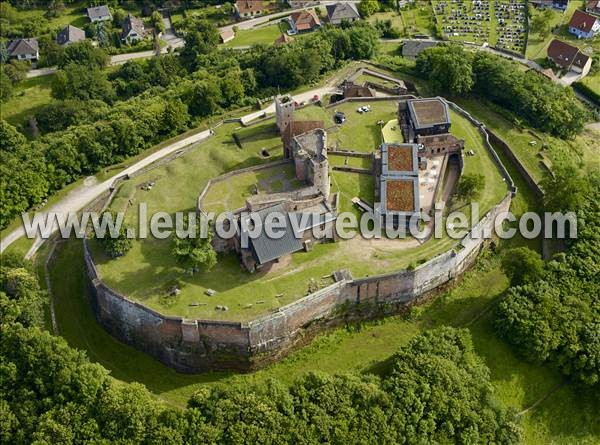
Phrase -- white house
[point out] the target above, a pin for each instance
(584, 25)
(133, 29)
(99, 14)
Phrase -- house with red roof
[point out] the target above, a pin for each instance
(584, 25)
(304, 21)
(249, 8)
(569, 57)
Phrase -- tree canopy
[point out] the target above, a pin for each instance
(556, 318)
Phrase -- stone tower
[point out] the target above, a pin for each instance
(284, 112)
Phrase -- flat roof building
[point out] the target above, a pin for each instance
(398, 183)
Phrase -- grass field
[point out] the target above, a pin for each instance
(369, 78)
(265, 35)
(418, 20)
(566, 416)
(593, 81)
(151, 263)
(231, 194)
(29, 97)
(73, 14)
(585, 148)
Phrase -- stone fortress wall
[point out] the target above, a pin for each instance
(191, 345)
(194, 345)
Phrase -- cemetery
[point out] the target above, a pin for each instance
(499, 23)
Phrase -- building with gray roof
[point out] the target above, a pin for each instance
(70, 34)
(23, 49)
(339, 12)
(99, 14)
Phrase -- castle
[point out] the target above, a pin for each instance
(312, 206)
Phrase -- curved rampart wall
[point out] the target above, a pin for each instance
(191, 345)
(201, 345)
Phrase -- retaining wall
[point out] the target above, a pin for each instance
(192, 345)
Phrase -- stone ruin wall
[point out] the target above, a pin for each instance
(190, 345)
(202, 345)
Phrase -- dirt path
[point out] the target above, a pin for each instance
(86, 193)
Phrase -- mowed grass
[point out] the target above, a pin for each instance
(29, 97)
(482, 163)
(256, 36)
(231, 193)
(593, 82)
(566, 416)
(177, 186)
(361, 132)
(418, 20)
(584, 149)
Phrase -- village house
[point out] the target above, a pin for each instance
(99, 14)
(569, 58)
(226, 35)
(23, 49)
(70, 34)
(249, 8)
(584, 25)
(342, 12)
(412, 48)
(303, 21)
(133, 29)
(593, 7)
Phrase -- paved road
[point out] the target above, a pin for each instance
(177, 42)
(595, 126)
(84, 194)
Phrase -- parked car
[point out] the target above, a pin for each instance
(339, 117)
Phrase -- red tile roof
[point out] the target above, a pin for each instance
(283, 39)
(305, 20)
(582, 21)
(562, 53)
(245, 6)
(580, 60)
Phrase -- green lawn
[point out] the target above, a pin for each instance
(392, 132)
(178, 183)
(593, 81)
(231, 194)
(418, 20)
(566, 416)
(265, 35)
(585, 148)
(369, 78)
(361, 132)
(73, 14)
(481, 163)
(29, 97)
